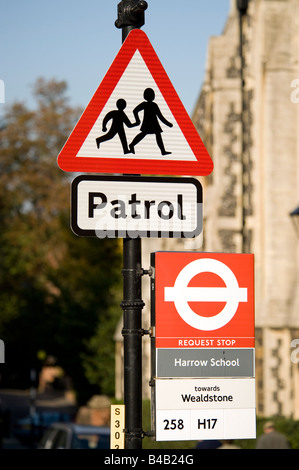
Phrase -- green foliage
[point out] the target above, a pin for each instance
(58, 292)
(99, 360)
(86, 312)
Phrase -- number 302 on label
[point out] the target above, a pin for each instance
(174, 425)
(117, 435)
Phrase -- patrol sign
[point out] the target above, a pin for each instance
(131, 206)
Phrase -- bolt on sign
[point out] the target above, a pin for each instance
(203, 314)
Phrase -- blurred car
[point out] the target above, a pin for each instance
(75, 436)
(30, 429)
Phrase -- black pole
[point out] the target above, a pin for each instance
(242, 6)
(132, 334)
(131, 16)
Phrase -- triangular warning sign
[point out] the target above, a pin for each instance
(135, 122)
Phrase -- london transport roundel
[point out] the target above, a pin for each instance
(204, 299)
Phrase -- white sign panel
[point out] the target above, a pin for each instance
(205, 409)
(179, 425)
(128, 206)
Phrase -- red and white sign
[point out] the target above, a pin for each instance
(135, 122)
(204, 300)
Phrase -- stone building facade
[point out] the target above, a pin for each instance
(251, 130)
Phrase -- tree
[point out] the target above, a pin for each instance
(55, 288)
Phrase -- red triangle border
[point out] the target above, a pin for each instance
(68, 160)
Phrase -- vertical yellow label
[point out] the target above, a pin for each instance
(117, 438)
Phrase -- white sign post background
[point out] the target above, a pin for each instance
(196, 409)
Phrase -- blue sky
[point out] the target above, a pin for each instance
(77, 41)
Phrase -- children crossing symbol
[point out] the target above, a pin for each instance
(151, 117)
(150, 124)
(121, 129)
(118, 118)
